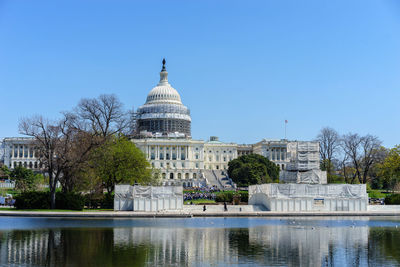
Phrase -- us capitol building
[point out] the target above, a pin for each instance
(163, 133)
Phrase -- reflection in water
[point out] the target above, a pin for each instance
(286, 242)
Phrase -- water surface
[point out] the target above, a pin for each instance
(302, 241)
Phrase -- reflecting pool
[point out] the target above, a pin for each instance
(296, 241)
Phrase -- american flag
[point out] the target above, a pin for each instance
(286, 121)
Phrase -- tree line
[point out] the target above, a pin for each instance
(87, 149)
(353, 158)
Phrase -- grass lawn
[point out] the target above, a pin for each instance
(199, 201)
(376, 193)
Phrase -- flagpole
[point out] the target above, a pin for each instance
(285, 128)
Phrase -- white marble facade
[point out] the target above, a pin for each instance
(19, 151)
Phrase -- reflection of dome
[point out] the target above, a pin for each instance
(163, 111)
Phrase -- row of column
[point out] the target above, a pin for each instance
(30, 151)
(178, 150)
(282, 153)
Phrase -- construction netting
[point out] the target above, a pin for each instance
(309, 190)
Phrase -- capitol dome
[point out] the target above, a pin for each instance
(163, 113)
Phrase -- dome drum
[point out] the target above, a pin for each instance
(164, 126)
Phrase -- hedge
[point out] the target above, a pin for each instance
(103, 201)
(224, 197)
(393, 199)
(32, 200)
(41, 200)
(244, 196)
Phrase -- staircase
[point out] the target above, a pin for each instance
(218, 178)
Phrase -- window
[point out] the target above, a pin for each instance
(217, 158)
(161, 155)
(174, 156)
(197, 156)
(167, 156)
(164, 175)
(152, 155)
(186, 175)
(224, 158)
(179, 176)
(161, 165)
(197, 165)
(182, 156)
(194, 176)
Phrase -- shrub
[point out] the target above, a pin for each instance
(244, 196)
(69, 201)
(393, 199)
(103, 201)
(33, 200)
(107, 201)
(224, 197)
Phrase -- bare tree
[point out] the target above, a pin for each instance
(371, 148)
(47, 136)
(362, 152)
(104, 114)
(74, 149)
(351, 144)
(329, 142)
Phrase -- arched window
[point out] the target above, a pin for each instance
(194, 176)
(179, 176)
(171, 175)
(186, 175)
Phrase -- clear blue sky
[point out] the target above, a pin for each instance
(242, 67)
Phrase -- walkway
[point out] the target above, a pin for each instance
(212, 211)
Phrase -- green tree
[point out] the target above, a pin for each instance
(4, 172)
(119, 161)
(25, 179)
(389, 169)
(253, 169)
